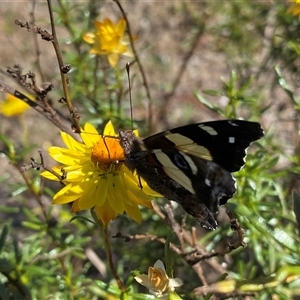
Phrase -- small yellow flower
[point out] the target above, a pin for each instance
(12, 106)
(294, 8)
(96, 176)
(110, 40)
(158, 282)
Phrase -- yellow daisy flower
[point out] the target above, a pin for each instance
(12, 106)
(96, 176)
(158, 282)
(110, 40)
(294, 8)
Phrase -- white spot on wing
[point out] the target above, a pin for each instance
(207, 182)
(231, 140)
(208, 129)
(233, 123)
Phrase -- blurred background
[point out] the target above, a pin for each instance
(203, 60)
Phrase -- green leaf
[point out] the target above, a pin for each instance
(19, 191)
(31, 216)
(286, 87)
(3, 292)
(212, 93)
(168, 260)
(33, 226)
(174, 296)
(6, 266)
(17, 252)
(296, 205)
(208, 104)
(142, 296)
(9, 210)
(40, 271)
(10, 147)
(3, 237)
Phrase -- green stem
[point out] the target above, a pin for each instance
(120, 91)
(109, 258)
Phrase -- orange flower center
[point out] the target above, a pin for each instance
(107, 154)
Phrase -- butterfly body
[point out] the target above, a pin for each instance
(192, 164)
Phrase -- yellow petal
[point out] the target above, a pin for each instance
(133, 211)
(88, 198)
(116, 194)
(88, 127)
(71, 143)
(144, 201)
(98, 25)
(105, 213)
(120, 27)
(113, 59)
(136, 132)
(109, 130)
(135, 193)
(90, 135)
(49, 176)
(108, 45)
(147, 190)
(66, 156)
(12, 106)
(75, 173)
(101, 192)
(65, 195)
(89, 37)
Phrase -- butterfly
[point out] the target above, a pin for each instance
(192, 164)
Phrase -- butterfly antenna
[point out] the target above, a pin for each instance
(130, 100)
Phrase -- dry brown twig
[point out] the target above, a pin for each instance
(40, 166)
(187, 240)
(49, 113)
(64, 68)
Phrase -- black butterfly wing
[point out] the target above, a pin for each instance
(224, 142)
(192, 164)
(210, 183)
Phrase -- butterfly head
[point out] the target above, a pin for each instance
(130, 143)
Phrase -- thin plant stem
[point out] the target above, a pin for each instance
(120, 90)
(36, 44)
(48, 112)
(64, 77)
(109, 258)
